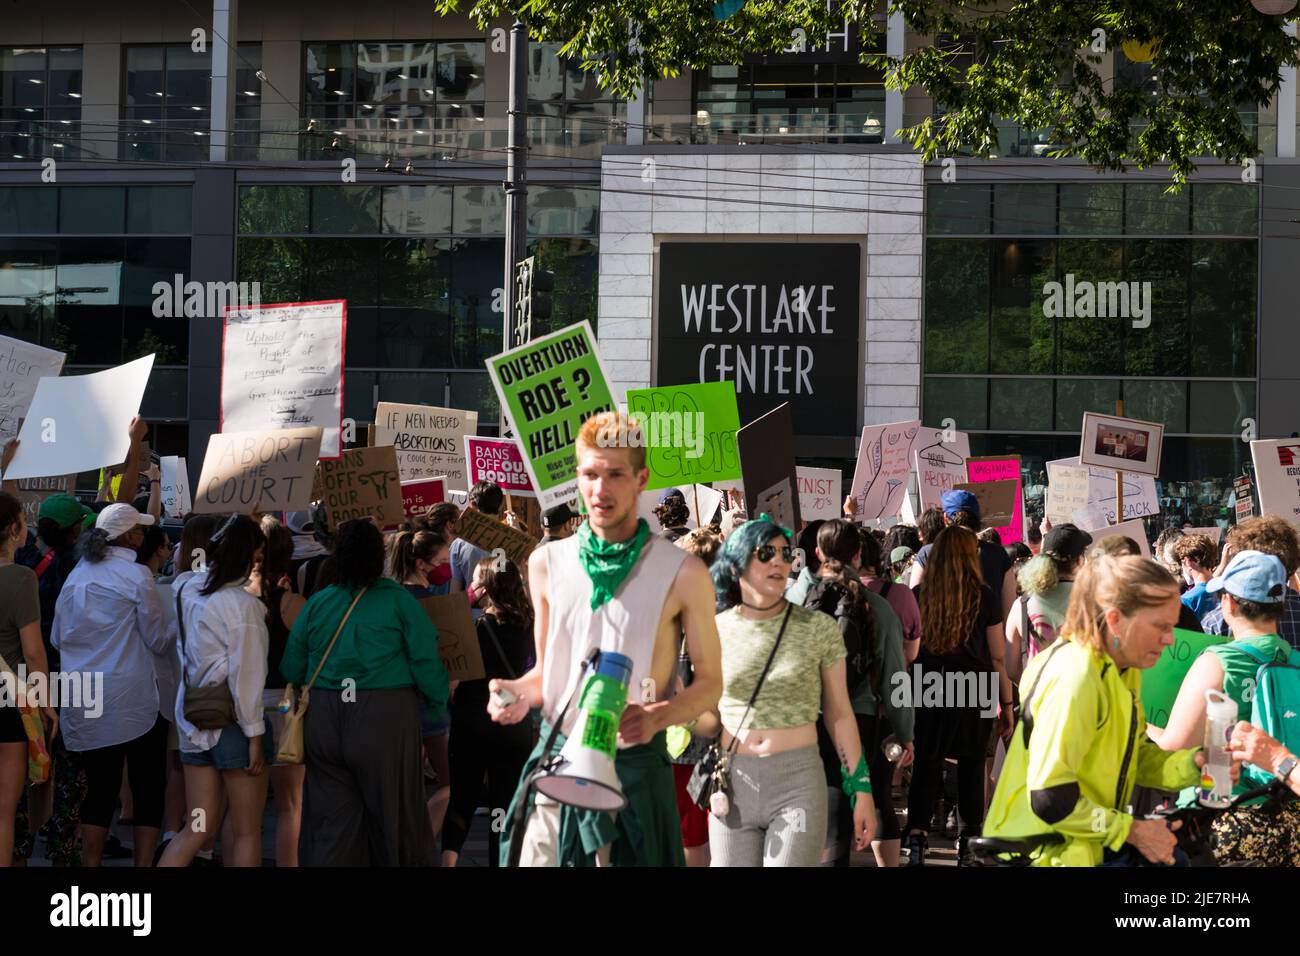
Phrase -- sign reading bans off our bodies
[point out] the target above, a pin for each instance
(548, 388)
(779, 319)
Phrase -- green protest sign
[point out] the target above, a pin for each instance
(1160, 683)
(548, 388)
(689, 430)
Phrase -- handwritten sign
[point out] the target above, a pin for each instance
(766, 447)
(419, 496)
(1140, 500)
(819, 492)
(1001, 468)
(548, 387)
(429, 440)
(175, 487)
(32, 492)
(1068, 487)
(22, 365)
(1277, 477)
(498, 460)
(361, 483)
(78, 423)
(884, 465)
(282, 367)
(258, 471)
(458, 646)
(940, 465)
(1161, 681)
(489, 534)
(690, 432)
(1130, 529)
(1243, 497)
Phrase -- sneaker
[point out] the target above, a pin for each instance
(965, 855)
(114, 850)
(916, 845)
(951, 824)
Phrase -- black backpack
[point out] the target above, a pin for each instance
(856, 627)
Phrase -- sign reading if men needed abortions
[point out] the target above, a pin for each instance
(548, 388)
(427, 439)
(258, 471)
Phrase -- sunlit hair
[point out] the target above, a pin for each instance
(673, 513)
(950, 593)
(613, 430)
(505, 587)
(1117, 546)
(1128, 583)
(734, 557)
(1199, 547)
(702, 542)
(1270, 534)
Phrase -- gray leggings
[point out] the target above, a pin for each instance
(778, 812)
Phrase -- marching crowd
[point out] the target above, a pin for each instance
(787, 685)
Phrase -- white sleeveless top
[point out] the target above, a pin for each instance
(625, 624)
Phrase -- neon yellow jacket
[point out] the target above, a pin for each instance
(1087, 749)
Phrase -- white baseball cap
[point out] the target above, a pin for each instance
(116, 520)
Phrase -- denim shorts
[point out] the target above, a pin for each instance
(231, 751)
(434, 726)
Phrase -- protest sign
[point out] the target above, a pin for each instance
(282, 367)
(32, 492)
(1213, 533)
(766, 448)
(1244, 499)
(360, 483)
(174, 487)
(22, 365)
(548, 387)
(1001, 468)
(940, 465)
(1121, 444)
(1161, 681)
(1134, 529)
(458, 646)
(997, 500)
(429, 441)
(489, 534)
(497, 460)
(422, 494)
(258, 471)
(703, 502)
(819, 493)
(689, 431)
(1140, 500)
(1277, 477)
(1089, 518)
(1068, 487)
(78, 423)
(884, 464)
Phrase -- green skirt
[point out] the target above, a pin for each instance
(646, 832)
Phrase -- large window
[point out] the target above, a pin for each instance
(40, 102)
(566, 106)
(420, 266)
(846, 100)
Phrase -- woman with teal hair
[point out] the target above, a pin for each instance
(782, 665)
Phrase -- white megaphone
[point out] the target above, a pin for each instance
(583, 774)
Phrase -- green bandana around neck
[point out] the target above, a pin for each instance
(608, 563)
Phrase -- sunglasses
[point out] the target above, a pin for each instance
(766, 552)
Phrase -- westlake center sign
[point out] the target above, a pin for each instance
(779, 319)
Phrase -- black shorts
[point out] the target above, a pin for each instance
(11, 725)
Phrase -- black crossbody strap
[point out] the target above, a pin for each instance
(497, 644)
(1026, 715)
(735, 740)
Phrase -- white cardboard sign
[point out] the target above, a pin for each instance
(175, 487)
(884, 464)
(429, 441)
(939, 464)
(819, 493)
(1277, 477)
(22, 365)
(1140, 500)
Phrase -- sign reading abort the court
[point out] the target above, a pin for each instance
(780, 319)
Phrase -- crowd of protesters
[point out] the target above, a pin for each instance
(820, 662)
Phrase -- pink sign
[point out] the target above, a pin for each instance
(497, 460)
(1000, 469)
(420, 495)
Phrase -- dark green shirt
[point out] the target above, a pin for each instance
(387, 642)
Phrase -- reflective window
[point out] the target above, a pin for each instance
(567, 106)
(964, 400)
(272, 209)
(40, 102)
(1020, 336)
(1020, 404)
(957, 305)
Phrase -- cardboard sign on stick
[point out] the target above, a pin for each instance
(282, 367)
(174, 487)
(884, 464)
(22, 365)
(1140, 500)
(1067, 491)
(766, 460)
(258, 471)
(548, 387)
(997, 500)
(690, 432)
(361, 483)
(1001, 468)
(819, 493)
(458, 645)
(429, 441)
(489, 534)
(940, 464)
(1277, 477)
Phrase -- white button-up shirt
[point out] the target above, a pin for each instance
(107, 621)
(226, 641)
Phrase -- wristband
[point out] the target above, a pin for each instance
(859, 781)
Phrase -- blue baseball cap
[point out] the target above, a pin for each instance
(956, 500)
(671, 493)
(1252, 576)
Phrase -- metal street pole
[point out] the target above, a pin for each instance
(516, 184)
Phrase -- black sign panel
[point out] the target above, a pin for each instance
(779, 319)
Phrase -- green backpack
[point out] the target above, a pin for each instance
(1275, 708)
